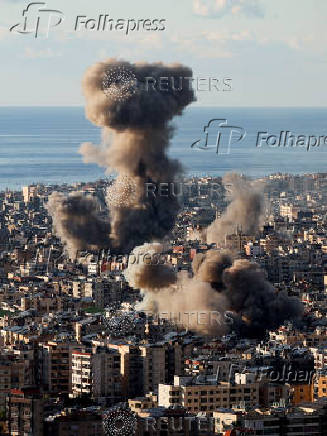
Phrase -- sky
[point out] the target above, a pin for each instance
(273, 51)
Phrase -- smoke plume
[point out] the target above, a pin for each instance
(183, 300)
(148, 269)
(256, 305)
(244, 211)
(134, 113)
(226, 294)
(209, 267)
(77, 222)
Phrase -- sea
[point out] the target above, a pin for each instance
(40, 144)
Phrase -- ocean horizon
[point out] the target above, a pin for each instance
(39, 144)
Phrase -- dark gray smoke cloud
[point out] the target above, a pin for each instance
(77, 222)
(256, 305)
(209, 267)
(181, 299)
(222, 284)
(147, 104)
(136, 135)
(243, 212)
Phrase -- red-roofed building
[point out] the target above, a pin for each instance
(25, 412)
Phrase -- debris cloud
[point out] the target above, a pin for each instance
(244, 212)
(135, 139)
(78, 223)
(234, 295)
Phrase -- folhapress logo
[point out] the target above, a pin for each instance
(223, 134)
(38, 20)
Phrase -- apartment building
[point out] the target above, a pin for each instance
(131, 369)
(274, 422)
(143, 367)
(81, 423)
(320, 384)
(320, 357)
(155, 370)
(141, 404)
(97, 374)
(24, 412)
(54, 366)
(103, 292)
(5, 381)
(16, 371)
(301, 393)
(207, 397)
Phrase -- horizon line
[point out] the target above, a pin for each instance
(194, 105)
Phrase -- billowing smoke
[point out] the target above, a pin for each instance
(133, 106)
(148, 268)
(135, 95)
(77, 221)
(224, 295)
(192, 304)
(244, 212)
(209, 267)
(183, 300)
(256, 305)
